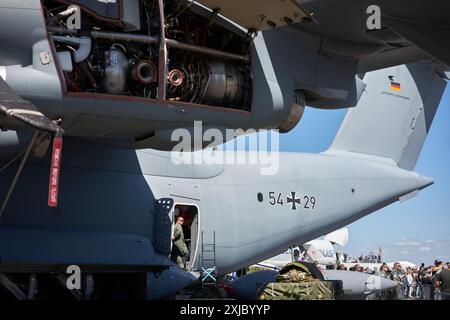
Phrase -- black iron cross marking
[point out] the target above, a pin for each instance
(294, 200)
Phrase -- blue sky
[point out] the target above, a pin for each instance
(417, 230)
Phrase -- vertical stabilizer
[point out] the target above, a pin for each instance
(394, 114)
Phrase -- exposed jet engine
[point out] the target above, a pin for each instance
(123, 55)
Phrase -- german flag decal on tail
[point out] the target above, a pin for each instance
(394, 85)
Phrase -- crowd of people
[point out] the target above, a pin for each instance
(413, 280)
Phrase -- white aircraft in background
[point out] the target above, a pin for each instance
(320, 250)
(324, 253)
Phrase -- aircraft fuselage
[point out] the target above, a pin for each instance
(107, 214)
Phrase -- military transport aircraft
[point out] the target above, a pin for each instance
(127, 73)
(116, 206)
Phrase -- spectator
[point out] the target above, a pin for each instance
(426, 276)
(437, 267)
(384, 271)
(397, 273)
(410, 284)
(369, 270)
(296, 255)
(359, 268)
(418, 282)
(331, 266)
(443, 283)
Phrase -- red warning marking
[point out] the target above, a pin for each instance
(54, 172)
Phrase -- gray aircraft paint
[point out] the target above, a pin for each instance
(107, 201)
(318, 60)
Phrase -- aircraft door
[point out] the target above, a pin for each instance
(190, 213)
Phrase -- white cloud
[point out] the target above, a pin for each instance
(417, 250)
(407, 243)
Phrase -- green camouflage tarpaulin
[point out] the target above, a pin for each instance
(305, 267)
(300, 281)
(306, 290)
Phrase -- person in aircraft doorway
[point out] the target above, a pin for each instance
(179, 245)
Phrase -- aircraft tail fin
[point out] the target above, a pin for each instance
(394, 114)
(313, 254)
(339, 237)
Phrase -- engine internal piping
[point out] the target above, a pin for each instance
(159, 49)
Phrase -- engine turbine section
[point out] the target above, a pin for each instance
(225, 85)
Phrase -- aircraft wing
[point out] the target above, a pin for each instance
(427, 37)
(411, 30)
(259, 15)
(14, 107)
